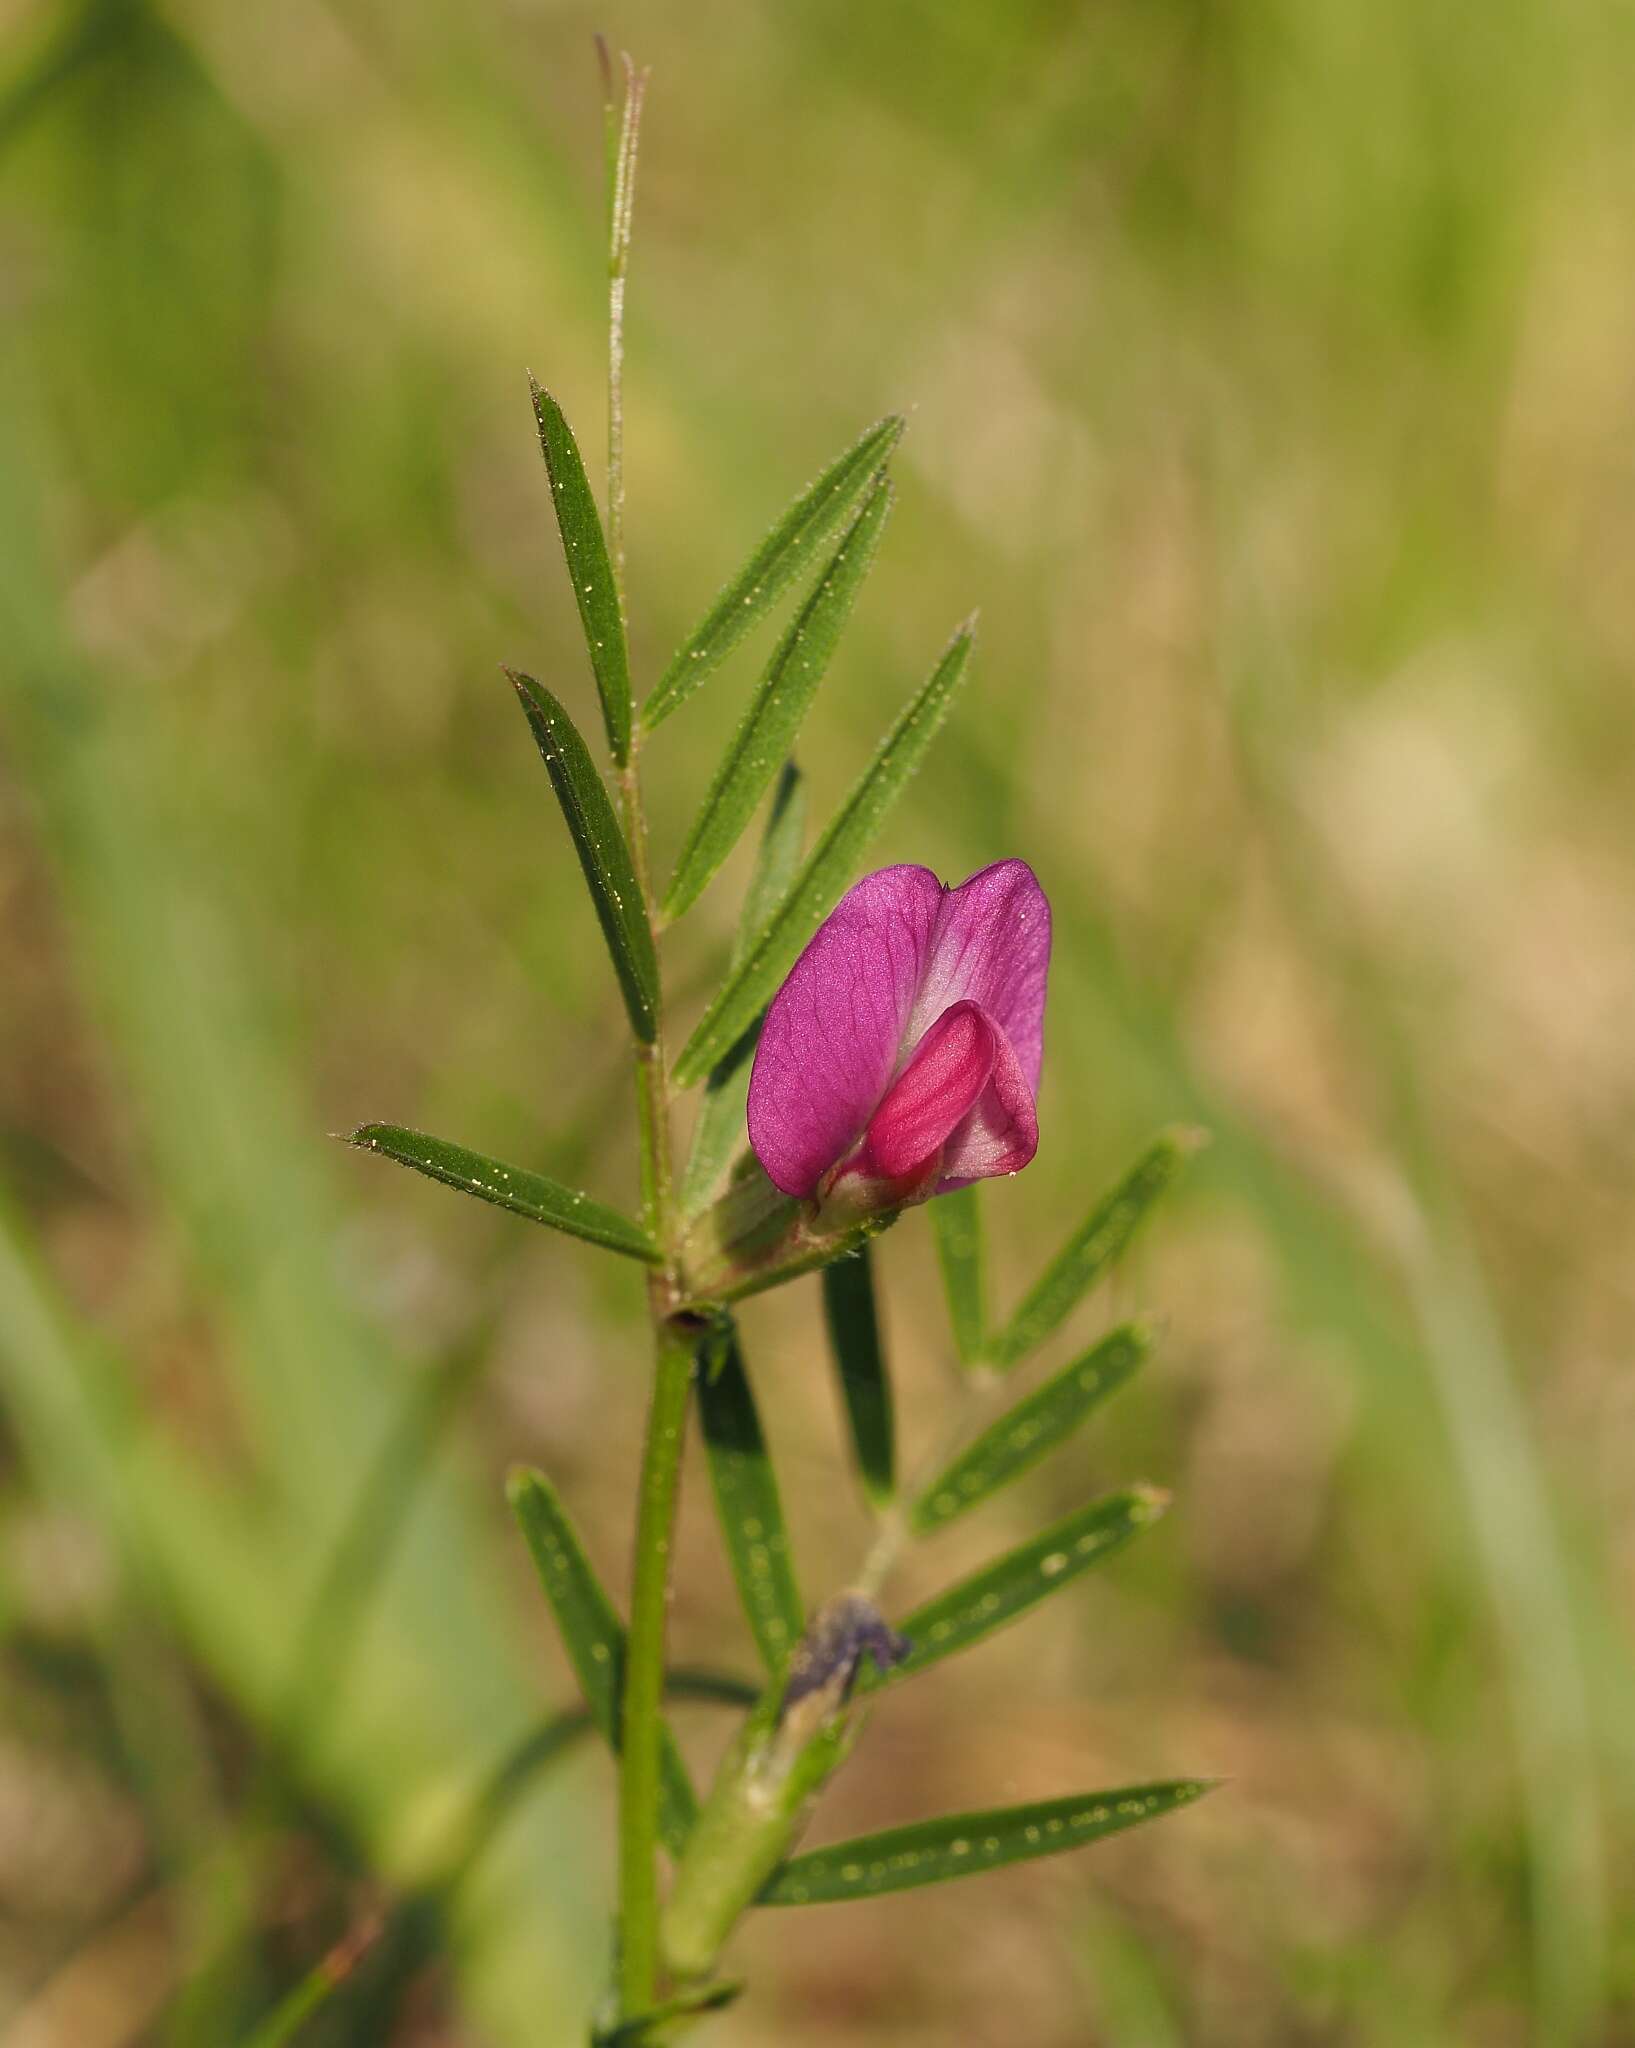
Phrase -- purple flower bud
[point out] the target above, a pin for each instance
(901, 1057)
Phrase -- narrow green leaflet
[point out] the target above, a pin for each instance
(590, 570)
(750, 986)
(593, 1636)
(1019, 1580)
(956, 1223)
(860, 1363)
(746, 1495)
(668, 2021)
(509, 1187)
(781, 701)
(965, 1844)
(775, 564)
(1092, 1248)
(719, 1132)
(602, 852)
(1033, 1428)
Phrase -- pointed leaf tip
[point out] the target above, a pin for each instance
(1037, 1425)
(782, 698)
(593, 1636)
(1008, 1588)
(959, 1845)
(532, 1195)
(753, 982)
(603, 854)
(590, 567)
(1099, 1241)
(746, 1497)
(787, 549)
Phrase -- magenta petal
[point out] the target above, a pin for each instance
(1001, 1132)
(834, 1033)
(935, 1092)
(992, 946)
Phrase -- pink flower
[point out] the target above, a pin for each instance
(901, 1057)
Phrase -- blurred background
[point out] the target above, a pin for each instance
(1271, 389)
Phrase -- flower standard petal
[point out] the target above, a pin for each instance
(835, 1030)
(992, 946)
(935, 1092)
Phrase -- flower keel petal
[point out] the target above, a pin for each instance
(941, 1085)
(1001, 1132)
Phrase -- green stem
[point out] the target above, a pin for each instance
(644, 1667)
(674, 1336)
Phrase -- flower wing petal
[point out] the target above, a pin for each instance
(1000, 1134)
(835, 1030)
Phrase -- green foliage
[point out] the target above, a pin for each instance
(602, 852)
(1032, 1429)
(956, 1225)
(668, 2021)
(750, 986)
(718, 1136)
(746, 1497)
(971, 1611)
(590, 570)
(967, 1844)
(593, 1636)
(792, 543)
(1099, 1240)
(779, 704)
(532, 1195)
(853, 1323)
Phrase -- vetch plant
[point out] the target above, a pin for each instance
(871, 1049)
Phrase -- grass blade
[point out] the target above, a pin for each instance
(1032, 1429)
(775, 564)
(590, 568)
(1093, 1247)
(965, 1844)
(720, 1130)
(750, 986)
(956, 1223)
(593, 1636)
(781, 701)
(746, 1496)
(1001, 1591)
(860, 1363)
(532, 1195)
(602, 852)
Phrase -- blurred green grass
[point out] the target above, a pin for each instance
(1269, 375)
